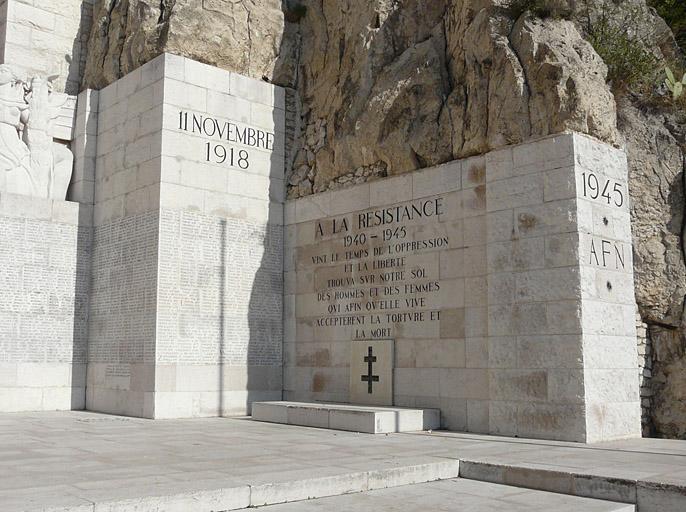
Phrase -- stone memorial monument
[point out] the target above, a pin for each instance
(497, 289)
(505, 282)
(372, 217)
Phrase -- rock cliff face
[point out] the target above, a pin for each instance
(244, 36)
(382, 87)
(404, 86)
(656, 165)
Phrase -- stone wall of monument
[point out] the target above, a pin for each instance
(45, 250)
(460, 79)
(201, 319)
(126, 188)
(645, 367)
(504, 280)
(611, 388)
(48, 38)
(219, 314)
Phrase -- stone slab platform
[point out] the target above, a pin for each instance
(353, 418)
(451, 495)
(81, 461)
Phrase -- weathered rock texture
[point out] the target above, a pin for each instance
(382, 87)
(404, 86)
(244, 36)
(654, 135)
(656, 160)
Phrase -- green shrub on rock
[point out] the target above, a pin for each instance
(611, 30)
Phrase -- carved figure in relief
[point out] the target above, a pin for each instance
(31, 163)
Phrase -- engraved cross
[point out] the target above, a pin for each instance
(369, 378)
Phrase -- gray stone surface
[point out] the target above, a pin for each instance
(457, 494)
(354, 418)
(84, 137)
(76, 459)
(210, 464)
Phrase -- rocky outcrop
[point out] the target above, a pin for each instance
(405, 86)
(244, 36)
(656, 187)
(653, 133)
(381, 87)
(656, 172)
(381, 84)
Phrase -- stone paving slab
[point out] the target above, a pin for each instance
(88, 461)
(451, 495)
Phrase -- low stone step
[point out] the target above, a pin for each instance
(353, 418)
(456, 494)
(605, 484)
(237, 493)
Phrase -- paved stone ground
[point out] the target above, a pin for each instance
(78, 459)
(450, 495)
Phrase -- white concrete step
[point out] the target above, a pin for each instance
(354, 418)
(457, 494)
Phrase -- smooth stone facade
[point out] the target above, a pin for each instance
(505, 281)
(185, 315)
(370, 420)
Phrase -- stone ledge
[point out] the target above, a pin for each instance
(370, 420)
(647, 495)
(44, 209)
(242, 495)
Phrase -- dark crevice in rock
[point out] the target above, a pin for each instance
(166, 10)
(522, 68)
(105, 28)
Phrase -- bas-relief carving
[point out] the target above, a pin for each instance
(31, 162)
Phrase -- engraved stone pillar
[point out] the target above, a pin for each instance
(187, 273)
(562, 345)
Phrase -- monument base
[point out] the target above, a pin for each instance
(353, 418)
